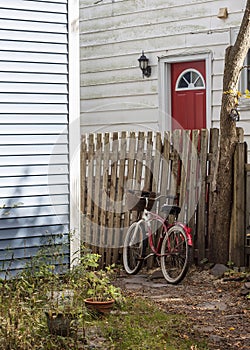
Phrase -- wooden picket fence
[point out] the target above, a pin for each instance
(246, 216)
(182, 163)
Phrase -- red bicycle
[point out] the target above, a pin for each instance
(173, 247)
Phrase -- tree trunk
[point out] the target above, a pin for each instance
(222, 191)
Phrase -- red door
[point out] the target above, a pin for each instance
(188, 98)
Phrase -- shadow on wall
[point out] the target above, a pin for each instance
(31, 214)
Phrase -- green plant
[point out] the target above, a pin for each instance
(100, 287)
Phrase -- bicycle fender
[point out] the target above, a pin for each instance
(188, 233)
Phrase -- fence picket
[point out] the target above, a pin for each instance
(83, 184)
(174, 185)
(164, 175)
(202, 200)
(148, 163)
(97, 191)
(111, 250)
(89, 211)
(193, 179)
(184, 148)
(105, 186)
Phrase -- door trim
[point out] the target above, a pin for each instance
(165, 62)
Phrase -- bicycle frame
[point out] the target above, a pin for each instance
(149, 217)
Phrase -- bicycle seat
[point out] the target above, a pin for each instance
(171, 209)
(147, 194)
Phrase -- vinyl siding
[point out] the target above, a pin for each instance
(114, 96)
(34, 156)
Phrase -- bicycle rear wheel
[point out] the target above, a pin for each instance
(175, 255)
(134, 248)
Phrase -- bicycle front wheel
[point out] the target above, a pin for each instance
(134, 248)
(175, 255)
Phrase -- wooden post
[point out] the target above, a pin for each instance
(237, 229)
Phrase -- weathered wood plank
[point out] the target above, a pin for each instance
(192, 179)
(212, 171)
(164, 175)
(119, 225)
(156, 163)
(155, 186)
(237, 229)
(139, 161)
(148, 162)
(97, 191)
(105, 185)
(112, 251)
(130, 174)
(90, 186)
(83, 183)
(202, 202)
(184, 148)
(176, 140)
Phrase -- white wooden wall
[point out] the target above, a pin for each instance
(114, 32)
(34, 159)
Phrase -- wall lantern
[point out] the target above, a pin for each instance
(143, 64)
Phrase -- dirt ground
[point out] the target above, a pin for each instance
(214, 306)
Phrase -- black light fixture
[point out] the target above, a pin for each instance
(143, 64)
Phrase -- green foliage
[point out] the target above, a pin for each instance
(140, 324)
(45, 288)
(100, 287)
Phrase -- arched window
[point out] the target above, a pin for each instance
(190, 79)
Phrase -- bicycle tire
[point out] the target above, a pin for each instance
(175, 255)
(134, 248)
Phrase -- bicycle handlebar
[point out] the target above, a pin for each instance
(146, 194)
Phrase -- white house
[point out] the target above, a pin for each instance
(39, 132)
(185, 42)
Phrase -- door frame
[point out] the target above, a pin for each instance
(165, 107)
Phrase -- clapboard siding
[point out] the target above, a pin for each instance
(34, 150)
(39, 200)
(123, 7)
(43, 69)
(33, 57)
(51, 6)
(112, 36)
(11, 192)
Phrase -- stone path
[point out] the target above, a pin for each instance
(215, 308)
